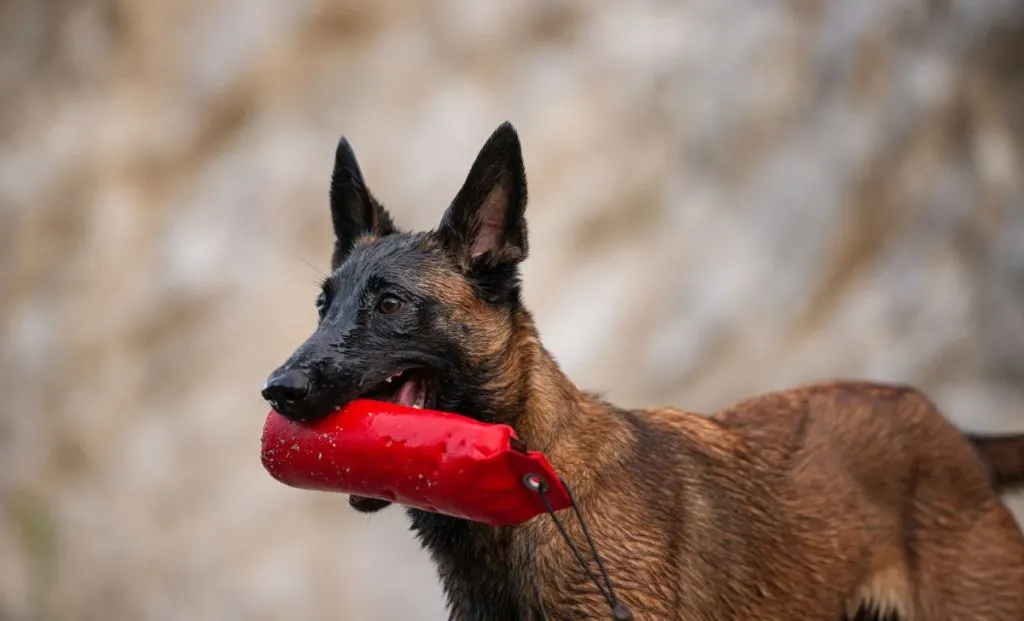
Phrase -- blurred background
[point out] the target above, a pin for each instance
(726, 197)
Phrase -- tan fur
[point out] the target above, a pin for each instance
(800, 504)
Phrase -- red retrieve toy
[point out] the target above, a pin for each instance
(425, 459)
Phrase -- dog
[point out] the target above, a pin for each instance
(842, 500)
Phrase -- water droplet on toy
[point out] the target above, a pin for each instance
(295, 447)
(319, 455)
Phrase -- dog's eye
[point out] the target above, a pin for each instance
(388, 304)
(321, 305)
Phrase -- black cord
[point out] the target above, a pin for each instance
(593, 548)
(620, 612)
(575, 550)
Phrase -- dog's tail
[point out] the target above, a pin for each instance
(1003, 457)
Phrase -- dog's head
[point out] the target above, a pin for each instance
(424, 319)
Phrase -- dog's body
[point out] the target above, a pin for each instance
(834, 501)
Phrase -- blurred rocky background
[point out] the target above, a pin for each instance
(727, 197)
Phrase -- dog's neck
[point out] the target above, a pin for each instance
(484, 575)
(557, 416)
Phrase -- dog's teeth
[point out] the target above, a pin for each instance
(388, 380)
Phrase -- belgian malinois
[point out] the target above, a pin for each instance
(844, 500)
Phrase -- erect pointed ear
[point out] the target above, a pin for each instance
(354, 211)
(485, 224)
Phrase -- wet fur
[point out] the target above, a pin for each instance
(844, 500)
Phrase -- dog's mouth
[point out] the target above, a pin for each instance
(414, 388)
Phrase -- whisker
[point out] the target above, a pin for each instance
(321, 275)
(313, 283)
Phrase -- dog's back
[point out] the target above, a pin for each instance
(829, 500)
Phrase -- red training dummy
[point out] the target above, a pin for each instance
(426, 459)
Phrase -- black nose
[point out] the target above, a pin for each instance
(286, 389)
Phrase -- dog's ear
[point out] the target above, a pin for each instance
(354, 211)
(484, 228)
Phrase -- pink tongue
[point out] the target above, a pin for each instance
(409, 392)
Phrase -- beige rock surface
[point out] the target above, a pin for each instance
(727, 197)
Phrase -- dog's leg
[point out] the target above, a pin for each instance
(885, 595)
